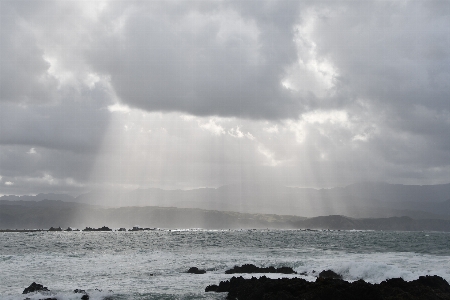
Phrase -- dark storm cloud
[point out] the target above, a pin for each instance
(23, 76)
(53, 109)
(50, 148)
(46, 99)
(229, 58)
(37, 169)
(74, 126)
(224, 59)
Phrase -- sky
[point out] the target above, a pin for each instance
(189, 94)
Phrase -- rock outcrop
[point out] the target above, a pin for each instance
(249, 268)
(424, 288)
(329, 274)
(55, 229)
(195, 270)
(85, 295)
(104, 228)
(35, 287)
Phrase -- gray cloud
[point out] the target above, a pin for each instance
(23, 76)
(207, 60)
(312, 94)
(394, 53)
(76, 125)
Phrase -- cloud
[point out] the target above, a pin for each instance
(258, 60)
(212, 127)
(24, 77)
(201, 59)
(236, 132)
(204, 93)
(74, 125)
(32, 151)
(386, 52)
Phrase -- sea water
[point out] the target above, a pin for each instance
(153, 264)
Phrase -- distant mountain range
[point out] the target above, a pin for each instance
(360, 200)
(54, 213)
(39, 197)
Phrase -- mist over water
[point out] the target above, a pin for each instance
(360, 200)
(153, 265)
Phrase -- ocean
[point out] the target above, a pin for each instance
(153, 264)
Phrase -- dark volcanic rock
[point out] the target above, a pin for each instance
(136, 228)
(195, 270)
(212, 288)
(424, 288)
(104, 228)
(55, 229)
(35, 287)
(249, 268)
(85, 295)
(329, 274)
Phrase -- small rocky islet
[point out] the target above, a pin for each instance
(328, 285)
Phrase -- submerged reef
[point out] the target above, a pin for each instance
(424, 288)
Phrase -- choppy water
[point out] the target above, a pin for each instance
(153, 264)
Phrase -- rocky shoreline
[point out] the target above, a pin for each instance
(328, 285)
(424, 288)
